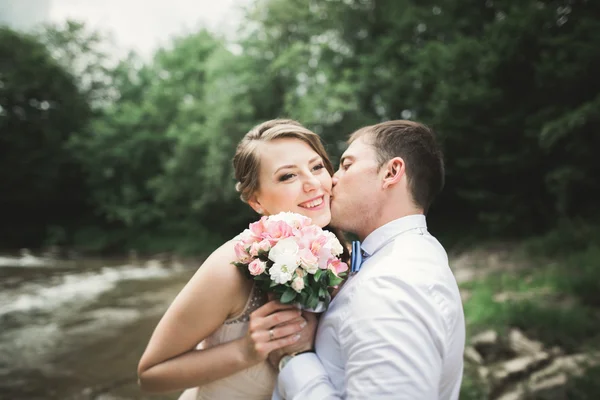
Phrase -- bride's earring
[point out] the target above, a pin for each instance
(260, 211)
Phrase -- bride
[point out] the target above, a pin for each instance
(280, 166)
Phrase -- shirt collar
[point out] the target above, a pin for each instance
(382, 235)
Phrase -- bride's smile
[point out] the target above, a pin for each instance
(314, 204)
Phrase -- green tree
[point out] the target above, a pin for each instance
(41, 108)
(509, 87)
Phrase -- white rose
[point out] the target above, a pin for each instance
(311, 268)
(281, 273)
(292, 219)
(285, 252)
(334, 244)
(298, 284)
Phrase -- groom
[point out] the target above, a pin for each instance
(396, 329)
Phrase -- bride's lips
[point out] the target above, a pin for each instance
(314, 204)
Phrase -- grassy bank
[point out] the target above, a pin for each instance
(549, 289)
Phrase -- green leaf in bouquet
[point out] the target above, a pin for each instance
(263, 285)
(323, 293)
(278, 289)
(318, 274)
(313, 300)
(303, 297)
(273, 284)
(288, 296)
(326, 298)
(334, 280)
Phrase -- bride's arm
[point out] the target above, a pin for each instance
(171, 360)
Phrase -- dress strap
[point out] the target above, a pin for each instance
(256, 298)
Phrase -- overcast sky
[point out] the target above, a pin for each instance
(141, 25)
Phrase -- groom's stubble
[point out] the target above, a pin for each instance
(356, 194)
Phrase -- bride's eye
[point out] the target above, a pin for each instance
(285, 177)
(318, 167)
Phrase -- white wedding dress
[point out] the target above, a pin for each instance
(254, 383)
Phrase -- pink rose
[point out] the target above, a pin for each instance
(264, 245)
(318, 244)
(308, 261)
(257, 267)
(254, 248)
(241, 253)
(257, 247)
(258, 227)
(321, 250)
(276, 231)
(337, 266)
(298, 284)
(308, 234)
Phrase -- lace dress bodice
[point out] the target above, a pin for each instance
(254, 383)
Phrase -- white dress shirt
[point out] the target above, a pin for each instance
(395, 330)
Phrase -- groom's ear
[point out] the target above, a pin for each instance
(394, 171)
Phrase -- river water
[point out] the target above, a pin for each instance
(76, 329)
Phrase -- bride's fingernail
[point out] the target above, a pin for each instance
(303, 324)
(297, 337)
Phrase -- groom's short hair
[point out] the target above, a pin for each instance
(416, 144)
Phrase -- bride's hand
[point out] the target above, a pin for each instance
(271, 327)
(306, 342)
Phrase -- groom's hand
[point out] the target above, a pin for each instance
(305, 343)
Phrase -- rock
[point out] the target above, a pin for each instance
(473, 355)
(483, 373)
(552, 388)
(515, 394)
(485, 338)
(574, 364)
(517, 368)
(538, 376)
(521, 344)
(487, 344)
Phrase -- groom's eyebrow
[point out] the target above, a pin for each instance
(312, 160)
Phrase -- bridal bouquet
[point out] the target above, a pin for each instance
(288, 255)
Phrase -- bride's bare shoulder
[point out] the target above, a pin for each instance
(219, 264)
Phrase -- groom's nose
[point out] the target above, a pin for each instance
(334, 180)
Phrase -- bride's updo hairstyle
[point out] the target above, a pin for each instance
(246, 162)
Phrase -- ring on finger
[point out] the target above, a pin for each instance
(271, 334)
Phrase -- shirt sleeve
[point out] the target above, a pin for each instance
(304, 377)
(392, 341)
